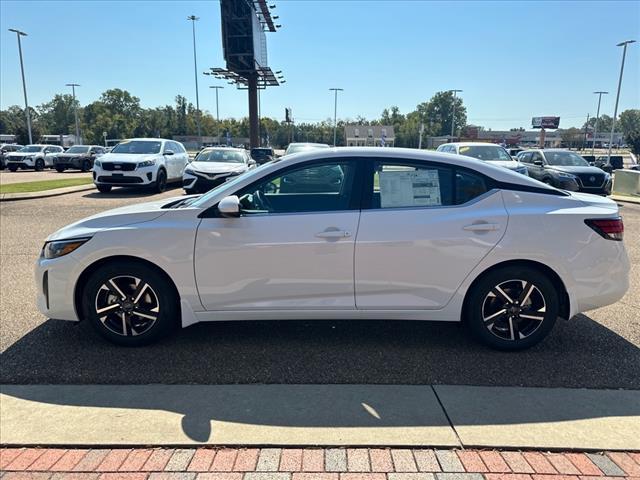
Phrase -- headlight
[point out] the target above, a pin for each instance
(28, 158)
(189, 171)
(146, 163)
(97, 163)
(567, 176)
(58, 248)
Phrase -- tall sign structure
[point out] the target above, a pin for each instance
(244, 24)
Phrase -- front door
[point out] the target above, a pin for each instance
(292, 246)
(426, 228)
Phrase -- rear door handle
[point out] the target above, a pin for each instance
(481, 227)
(333, 234)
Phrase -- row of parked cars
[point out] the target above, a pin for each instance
(559, 168)
(38, 157)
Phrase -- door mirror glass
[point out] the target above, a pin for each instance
(229, 206)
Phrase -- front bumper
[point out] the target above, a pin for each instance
(55, 281)
(68, 162)
(22, 163)
(203, 182)
(139, 177)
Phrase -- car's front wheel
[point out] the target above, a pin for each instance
(13, 168)
(161, 181)
(60, 169)
(104, 188)
(85, 166)
(130, 304)
(512, 308)
(39, 165)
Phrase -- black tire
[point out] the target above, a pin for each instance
(511, 330)
(160, 184)
(190, 191)
(13, 168)
(39, 165)
(104, 188)
(548, 181)
(158, 299)
(60, 169)
(85, 166)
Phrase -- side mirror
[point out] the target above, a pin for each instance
(229, 206)
(252, 163)
(168, 152)
(537, 162)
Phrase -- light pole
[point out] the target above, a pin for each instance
(453, 114)
(595, 129)
(335, 112)
(24, 83)
(217, 87)
(615, 111)
(194, 19)
(75, 106)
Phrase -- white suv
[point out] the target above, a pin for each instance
(140, 162)
(487, 152)
(33, 156)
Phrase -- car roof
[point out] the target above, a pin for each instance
(311, 144)
(472, 144)
(223, 147)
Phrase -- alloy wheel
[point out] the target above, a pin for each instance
(514, 309)
(127, 305)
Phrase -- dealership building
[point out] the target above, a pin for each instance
(369, 136)
(552, 138)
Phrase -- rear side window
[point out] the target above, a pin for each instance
(468, 186)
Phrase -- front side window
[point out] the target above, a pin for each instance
(314, 188)
(565, 159)
(415, 185)
(525, 157)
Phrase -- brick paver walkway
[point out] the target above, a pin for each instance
(311, 464)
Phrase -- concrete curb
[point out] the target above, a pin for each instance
(5, 197)
(625, 199)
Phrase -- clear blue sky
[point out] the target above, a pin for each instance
(514, 60)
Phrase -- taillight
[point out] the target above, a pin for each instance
(609, 228)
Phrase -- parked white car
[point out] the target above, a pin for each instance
(140, 162)
(213, 166)
(487, 152)
(37, 157)
(344, 233)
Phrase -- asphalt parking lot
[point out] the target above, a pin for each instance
(598, 350)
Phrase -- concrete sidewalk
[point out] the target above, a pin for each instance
(327, 415)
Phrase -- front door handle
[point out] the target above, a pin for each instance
(333, 234)
(481, 227)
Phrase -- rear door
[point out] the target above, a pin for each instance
(423, 229)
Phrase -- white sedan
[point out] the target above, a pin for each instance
(346, 233)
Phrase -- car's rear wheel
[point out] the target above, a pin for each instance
(161, 181)
(39, 165)
(512, 308)
(86, 166)
(104, 188)
(130, 304)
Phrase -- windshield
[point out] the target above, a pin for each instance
(250, 175)
(304, 148)
(31, 149)
(78, 149)
(137, 147)
(224, 156)
(486, 153)
(565, 159)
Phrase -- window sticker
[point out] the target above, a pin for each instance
(419, 188)
(463, 149)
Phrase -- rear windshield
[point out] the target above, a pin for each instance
(486, 153)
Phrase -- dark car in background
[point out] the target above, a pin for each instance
(80, 157)
(615, 162)
(566, 170)
(262, 154)
(7, 148)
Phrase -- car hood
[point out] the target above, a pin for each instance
(22, 154)
(217, 167)
(118, 217)
(511, 165)
(127, 157)
(576, 170)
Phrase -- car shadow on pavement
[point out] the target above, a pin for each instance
(578, 354)
(132, 192)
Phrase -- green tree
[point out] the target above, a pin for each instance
(630, 127)
(57, 117)
(438, 113)
(604, 123)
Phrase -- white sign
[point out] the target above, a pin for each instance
(417, 188)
